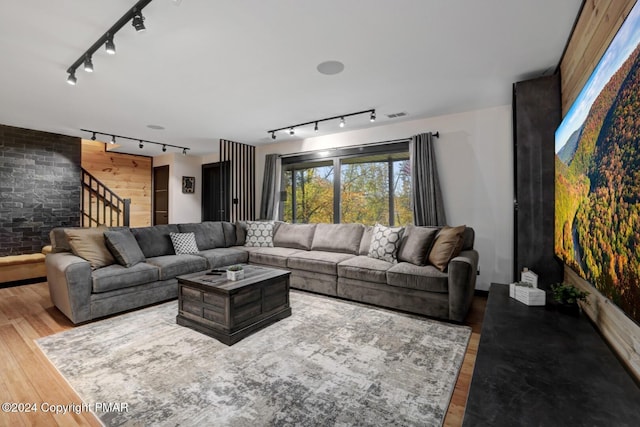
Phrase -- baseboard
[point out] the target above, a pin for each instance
(23, 282)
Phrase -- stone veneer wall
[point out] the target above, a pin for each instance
(39, 187)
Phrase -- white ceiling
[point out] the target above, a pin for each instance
(208, 69)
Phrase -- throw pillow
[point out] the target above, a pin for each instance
(184, 243)
(385, 242)
(89, 243)
(447, 246)
(259, 234)
(416, 243)
(124, 247)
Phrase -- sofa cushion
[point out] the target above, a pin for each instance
(296, 236)
(385, 242)
(118, 277)
(259, 233)
(343, 238)
(425, 278)
(89, 243)
(124, 247)
(209, 234)
(175, 265)
(276, 257)
(155, 241)
(241, 233)
(416, 242)
(317, 261)
(229, 232)
(447, 245)
(365, 242)
(184, 243)
(364, 268)
(219, 257)
(469, 238)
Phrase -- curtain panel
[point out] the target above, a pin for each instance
(428, 208)
(270, 184)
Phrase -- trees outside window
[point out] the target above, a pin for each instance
(369, 189)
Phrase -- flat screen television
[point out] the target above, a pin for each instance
(597, 174)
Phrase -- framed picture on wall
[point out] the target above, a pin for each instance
(188, 184)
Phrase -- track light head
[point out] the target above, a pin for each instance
(184, 151)
(373, 116)
(315, 128)
(113, 139)
(141, 145)
(109, 46)
(164, 148)
(138, 21)
(72, 80)
(88, 64)
(273, 135)
(341, 122)
(291, 131)
(93, 137)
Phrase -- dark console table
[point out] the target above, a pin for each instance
(538, 367)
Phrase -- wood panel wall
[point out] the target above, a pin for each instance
(127, 175)
(594, 30)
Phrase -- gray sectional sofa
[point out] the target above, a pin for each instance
(331, 259)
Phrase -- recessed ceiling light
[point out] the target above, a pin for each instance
(156, 127)
(330, 67)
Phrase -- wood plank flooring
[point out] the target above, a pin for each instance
(26, 313)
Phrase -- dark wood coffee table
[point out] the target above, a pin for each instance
(231, 310)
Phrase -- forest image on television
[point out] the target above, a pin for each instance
(597, 175)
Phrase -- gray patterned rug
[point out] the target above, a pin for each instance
(332, 363)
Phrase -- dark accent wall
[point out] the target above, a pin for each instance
(39, 187)
(536, 115)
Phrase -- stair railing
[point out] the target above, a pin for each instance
(100, 205)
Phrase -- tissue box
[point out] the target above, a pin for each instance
(528, 296)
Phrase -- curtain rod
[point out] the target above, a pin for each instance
(393, 141)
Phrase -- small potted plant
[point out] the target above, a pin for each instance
(235, 272)
(567, 296)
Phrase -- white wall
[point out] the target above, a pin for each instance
(183, 207)
(475, 163)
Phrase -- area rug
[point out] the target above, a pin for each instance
(332, 363)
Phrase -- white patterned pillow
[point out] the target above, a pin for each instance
(385, 242)
(184, 243)
(259, 233)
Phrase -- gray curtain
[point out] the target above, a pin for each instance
(269, 187)
(428, 208)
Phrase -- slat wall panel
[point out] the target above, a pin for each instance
(597, 25)
(594, 30)
(240, 159)
(127, 175)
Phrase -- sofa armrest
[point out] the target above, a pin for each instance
(462, 283)
(70, 284)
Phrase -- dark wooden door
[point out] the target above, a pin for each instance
(215, 192)
(161, 195)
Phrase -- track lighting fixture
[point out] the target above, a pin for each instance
(72, 80)
(133, 15)
(141, 142)
(372, 118)
(88, 65)
(138, 20)
(109, 46)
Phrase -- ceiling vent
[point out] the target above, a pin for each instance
(396, 115)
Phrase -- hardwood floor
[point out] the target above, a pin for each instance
(26, 313)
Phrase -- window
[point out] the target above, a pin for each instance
(373, 186)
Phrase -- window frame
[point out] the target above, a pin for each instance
(337, 155)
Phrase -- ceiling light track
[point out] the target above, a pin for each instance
(134, 15)
(140, 142)
(291, 128)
